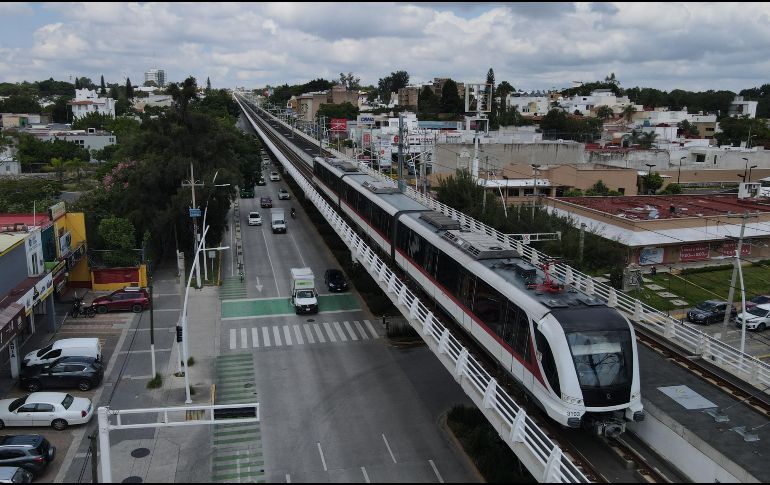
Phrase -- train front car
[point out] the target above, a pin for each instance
(591, 357)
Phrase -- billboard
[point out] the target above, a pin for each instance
(651, 256)
(694, 252)
(365, 119)
(339, 124)
(729, 247)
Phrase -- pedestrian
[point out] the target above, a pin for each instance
(653, 271)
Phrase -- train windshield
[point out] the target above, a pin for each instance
(602, 358)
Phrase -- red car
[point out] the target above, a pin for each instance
(129, 298)
(265, 202)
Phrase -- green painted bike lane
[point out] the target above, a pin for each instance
(282, 306)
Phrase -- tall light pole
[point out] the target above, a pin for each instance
(535, 167)
(649, 172)
(183, 318)
(205, 212)
(679, 173)
(750, 169)
(192, 184)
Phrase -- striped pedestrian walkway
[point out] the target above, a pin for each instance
(232, 288)
(237, 447)
(268, 336)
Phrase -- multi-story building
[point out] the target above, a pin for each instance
(19, 120)
(587, 105)
(741, 107)
(156, 75)
(529, 104)
(90, 139)
(409, 96)
(87, 101)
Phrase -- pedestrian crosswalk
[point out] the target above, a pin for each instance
(266, 336)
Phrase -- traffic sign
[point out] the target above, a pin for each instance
(395, 139)
(195, 212)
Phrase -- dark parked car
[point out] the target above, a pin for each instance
(265, 202)
(81, 372)
(129, 298)
(247, 193)
(335, 280)
(710, 311)
(29, 451)
(757, 300)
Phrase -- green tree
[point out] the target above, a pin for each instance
(57, 165)
(573, 193)
(687, 129)
(77, 83)
(344, 110)
(349, 81)
(117, 233)
(60, 109)
(86, 83)
(427, 102)
(735, 131)
(114, 92)
(673, 189)
(450, 98)
(21, 195)
(208, 85)
(628, 113)
(92, 120)
(129, 89)
(391, 84)
(652, 182)
(103, 89)
(20, 104)
(604, 112)
(76, 165)
(183, 94)
(599, 188)
(122, 106)
(34, 153)
(503, 90)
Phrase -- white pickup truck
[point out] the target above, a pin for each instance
(303, 294)
(278, 221)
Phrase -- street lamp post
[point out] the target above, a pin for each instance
(679, 172)
(535, 167)
(745, 170)
(183, 318)
(750, 169)
(649, 172)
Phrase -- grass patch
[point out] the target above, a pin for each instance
(492, 457)
(155, 382)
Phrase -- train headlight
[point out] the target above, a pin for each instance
(572, 400)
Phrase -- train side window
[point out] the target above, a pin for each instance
(548, 362)
(431, 257)
(517, 330)
(466, 287)
(446, 272)
(487, 306)
(403, 237)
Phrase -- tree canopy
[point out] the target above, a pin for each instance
(345, 110)
(20, 103)
(558, 124)
(450, 98)
(391, 84)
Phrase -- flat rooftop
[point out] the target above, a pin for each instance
(639, 207)
(28, 219)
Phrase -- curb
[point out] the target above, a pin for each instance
(444, 425)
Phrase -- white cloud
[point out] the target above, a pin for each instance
(690, 46)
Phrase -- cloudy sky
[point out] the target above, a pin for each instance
(533, 46)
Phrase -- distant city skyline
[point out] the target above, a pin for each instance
(693, 46)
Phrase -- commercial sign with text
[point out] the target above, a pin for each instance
(339, 124)
(694, 252)
(365, 119)
(651, 255)
(729, 247)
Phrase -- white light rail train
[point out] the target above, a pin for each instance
(574, 356)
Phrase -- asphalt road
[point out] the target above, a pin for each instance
(338, 403)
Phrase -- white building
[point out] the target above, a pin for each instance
(157, 75)
(8, 164)
(87, 101)
(739, 107)
(90, 139)
(529, 104)
(599, 97)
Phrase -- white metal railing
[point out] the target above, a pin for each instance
(727, 357)
(538, 453)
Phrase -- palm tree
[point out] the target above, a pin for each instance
(57, 165)
(628, 113)
(604, 112)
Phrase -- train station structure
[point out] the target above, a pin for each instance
(673, 229)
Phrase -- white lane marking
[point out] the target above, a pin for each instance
(277, 335)
(244, 338)
(371, 328)
(272, 316)
(366, 477)
(339, 330)
(387, 445)
(232, 339)
(298, 334)
(272, 268)
(350, 330)
(329, 331)
(297, 247)
(323, 460)
(287, 334)
(167, 309)
(266, 336)
(309, 334)
(319, 333)
(361, 330)
(288, 478)
(435, 470)
(255, 336)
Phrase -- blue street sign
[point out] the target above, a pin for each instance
(195, 212)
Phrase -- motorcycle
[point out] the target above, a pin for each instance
(293, 214)
(80, 309)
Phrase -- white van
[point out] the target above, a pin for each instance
(68, 347)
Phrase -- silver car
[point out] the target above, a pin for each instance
(14, 474)
(55, 409)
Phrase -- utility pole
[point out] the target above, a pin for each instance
(320, 135)
(736, 268)
(535, 166)
(152, 331)
(192, 184)
(400, 153)
(582, 241)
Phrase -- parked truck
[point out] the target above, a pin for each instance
(278, 221)
(303, 293)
